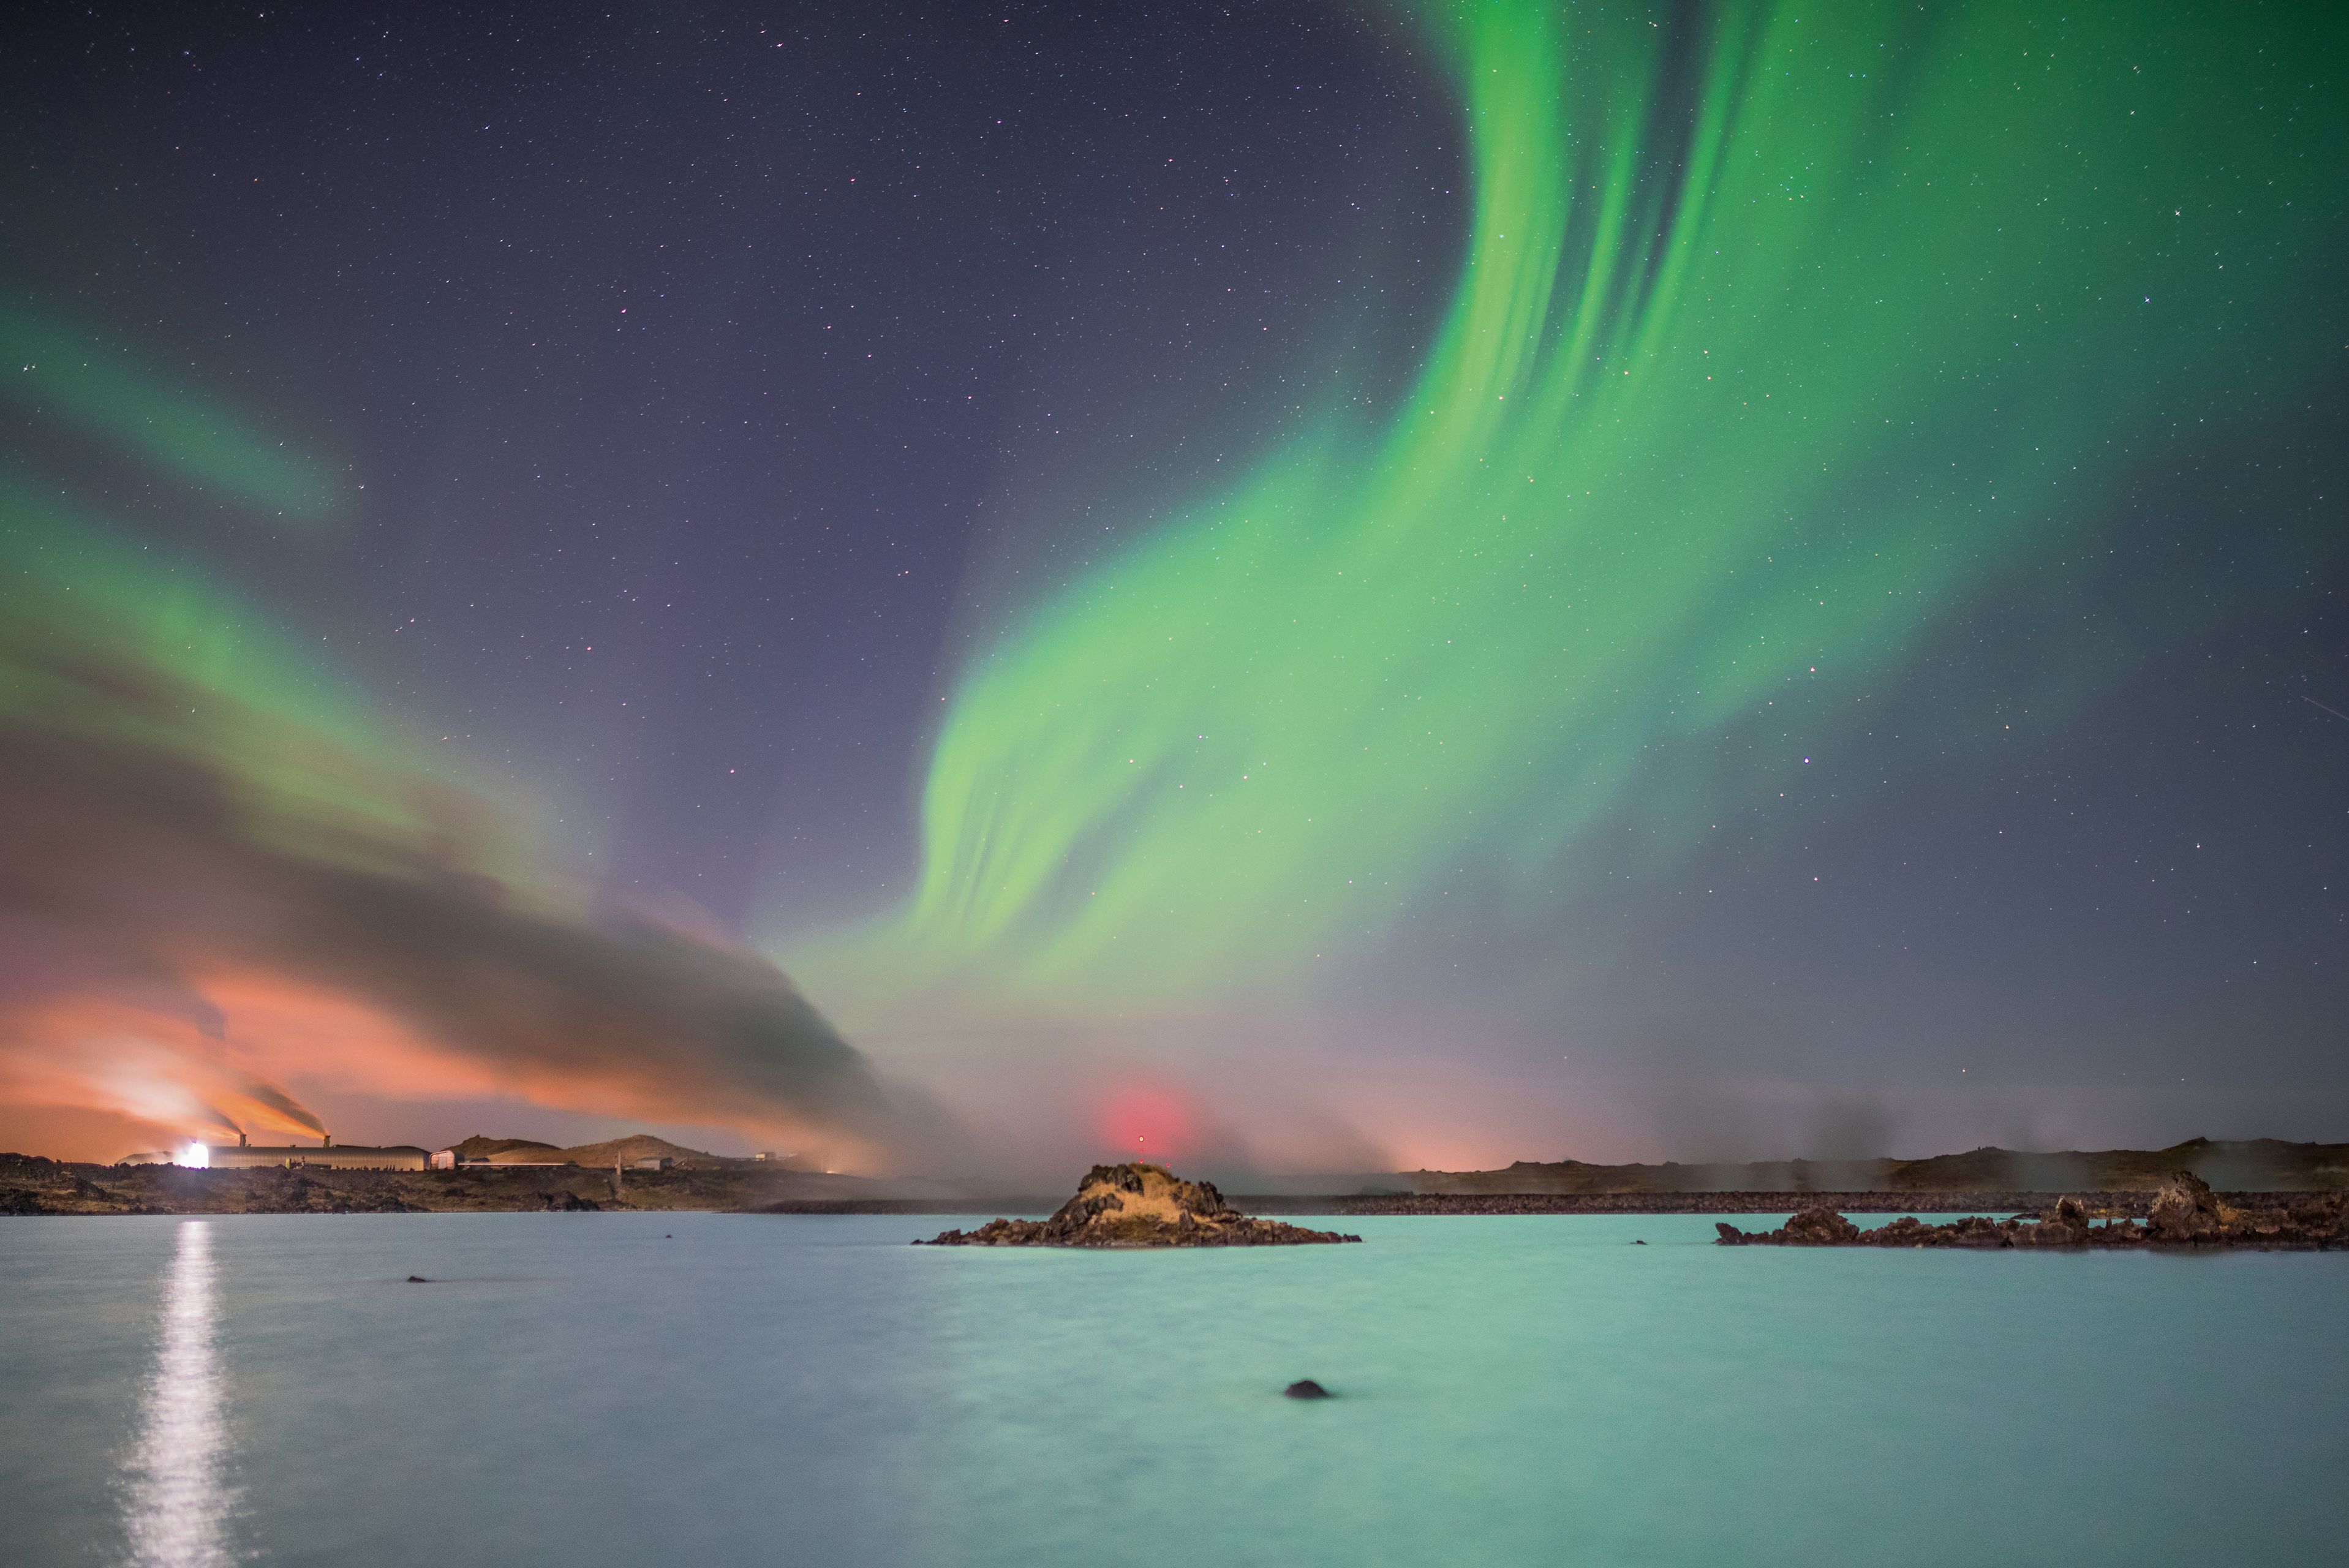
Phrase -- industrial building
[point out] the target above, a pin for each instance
(245, 1155)
(331, 1156)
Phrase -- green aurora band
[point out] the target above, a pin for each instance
(1778, 335)
(102, 642)
(63, 374)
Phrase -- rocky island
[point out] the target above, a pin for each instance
(1139, 1205)
(2185, 1213)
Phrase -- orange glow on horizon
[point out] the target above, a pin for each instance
(164, 1076)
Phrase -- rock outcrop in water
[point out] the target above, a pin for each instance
(2185, 1213)
(1138, 1206)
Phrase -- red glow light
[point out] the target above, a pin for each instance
(1143, 1122)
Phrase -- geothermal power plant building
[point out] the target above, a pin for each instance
(332, 1156)
(243, 1156)
(329, 1155)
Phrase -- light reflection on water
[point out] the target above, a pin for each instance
(176, 1506)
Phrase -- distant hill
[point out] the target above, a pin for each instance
(638, 1146)
(509, 1150)
(626, 1151)
(2259, 1164)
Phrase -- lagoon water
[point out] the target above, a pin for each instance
(628, 1389)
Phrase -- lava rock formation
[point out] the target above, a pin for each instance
(1138, 1206)
(2185, 1213)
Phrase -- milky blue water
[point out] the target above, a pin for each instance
(639, 1389)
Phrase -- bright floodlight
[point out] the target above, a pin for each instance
(197, 1155)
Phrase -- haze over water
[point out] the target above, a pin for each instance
(626, 1390)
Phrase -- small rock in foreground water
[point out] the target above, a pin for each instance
(417, 1279)
(1306, 1388)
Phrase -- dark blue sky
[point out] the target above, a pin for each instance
(698, 387)
(710, 343)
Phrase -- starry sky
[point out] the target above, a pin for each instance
(1296, 587)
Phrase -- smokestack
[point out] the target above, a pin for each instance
(242, 1141)
(326, 1140)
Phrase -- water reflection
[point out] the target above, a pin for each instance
(176, 1507)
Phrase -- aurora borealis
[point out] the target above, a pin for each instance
(1497, 579)
(1768, 328)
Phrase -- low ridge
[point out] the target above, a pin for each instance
(511, 1151)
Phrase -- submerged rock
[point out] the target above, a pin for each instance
(1139, 1205)
(2186, 1214)
(1306, 1388)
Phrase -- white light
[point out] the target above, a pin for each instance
(196, 1156)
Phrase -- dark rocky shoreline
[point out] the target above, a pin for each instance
(2132, 1205)
(2185, 1214)
(31, 1184)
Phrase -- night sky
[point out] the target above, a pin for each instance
(1296, 587)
